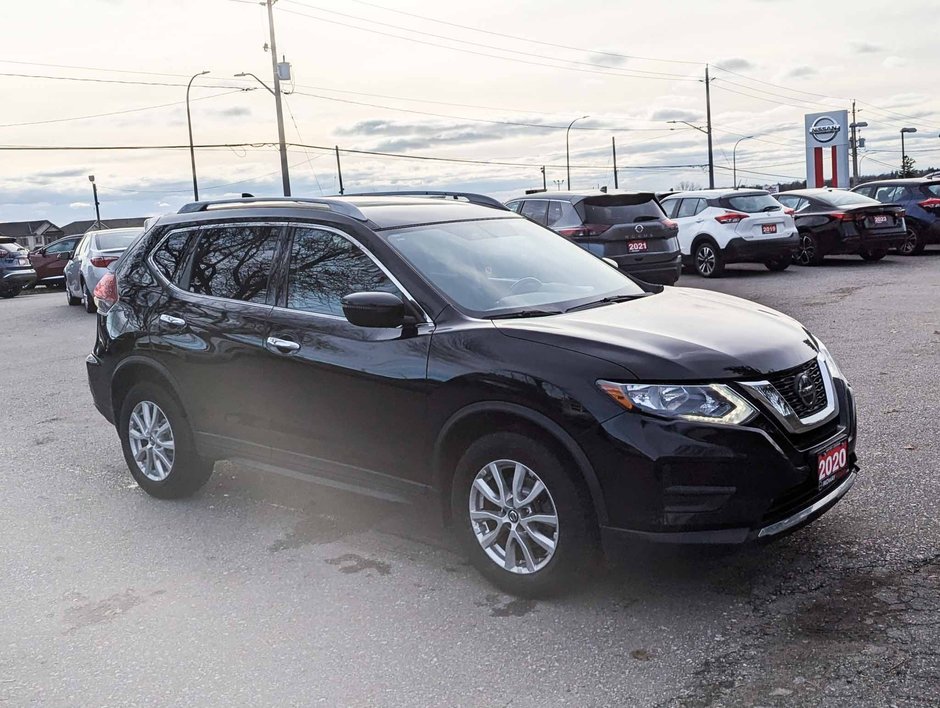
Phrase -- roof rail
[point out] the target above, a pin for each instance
(337, 205)
(478, 199)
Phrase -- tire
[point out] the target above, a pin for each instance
(72, 300)
(542, 571)
(708, 260)
(913, 243)
(873, 255)
(778, 265)
(10, 293)
(88, 300)
(808, 253)
(180, 472)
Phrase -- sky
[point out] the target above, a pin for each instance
(481, 82)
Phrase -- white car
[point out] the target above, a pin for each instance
(722, 226)
(95, 252)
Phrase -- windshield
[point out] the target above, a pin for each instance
(754, 203)
(496, 266)
(842, 198)
(119, 238)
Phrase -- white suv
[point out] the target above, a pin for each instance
(721, 226)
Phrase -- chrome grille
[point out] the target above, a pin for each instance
(785, 383)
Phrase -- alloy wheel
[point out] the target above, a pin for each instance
(151, 439)
(909, 244)
(705, 260)
(807, 251)
(513, 517)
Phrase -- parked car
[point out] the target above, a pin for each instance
(722, 226)
(630, 228)
(15, 271)
(920, 197)
(95, 252)
(49, 261)
(419, 349)
(836, 221)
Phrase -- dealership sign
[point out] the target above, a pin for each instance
(827, 149)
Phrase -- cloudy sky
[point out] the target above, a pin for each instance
(483, 82)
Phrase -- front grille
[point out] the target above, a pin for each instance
(785, 382)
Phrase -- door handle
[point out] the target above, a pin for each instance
(173, 321)
(283, 346)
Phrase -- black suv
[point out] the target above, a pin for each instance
(16, 272)
(630, 228)
(920, 197)
(420, 349)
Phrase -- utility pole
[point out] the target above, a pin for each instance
(708, 124)
(285, 176)
(544, 183)
(855, 125)
(613, 146)
(568, 151)
(339, 170)
(189, 123)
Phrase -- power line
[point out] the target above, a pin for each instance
(118, 81)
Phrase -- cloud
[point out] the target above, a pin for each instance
(736, 64)
(894, 62)
(79, 205)
(865, 47)
(602, 59)
(233, 112)
(800, 72)
(665, 114)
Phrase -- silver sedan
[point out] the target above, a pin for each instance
(96, 251)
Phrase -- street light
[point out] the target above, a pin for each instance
(189, 123)
(94, 190)
(903, 153)
(282, 145)
(734, 161)
(567, 151)
(707, 131)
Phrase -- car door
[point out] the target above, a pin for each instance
(50, 263)
(351, 401)
(689, 219)
(208, 330)
(72, 269)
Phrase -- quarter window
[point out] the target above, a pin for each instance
(325, 267)
(234, 262)
(514, 206)
(170, 256)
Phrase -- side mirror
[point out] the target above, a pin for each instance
(374, 309)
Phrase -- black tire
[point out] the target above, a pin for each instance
(808, 253)
(778, 264)
(188, 472)
(873, 255)
(88, 300)
(9, 293)
(72, 300)
(574, 534)
(708, 260)
(913, 242)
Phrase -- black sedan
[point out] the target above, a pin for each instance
(835, 221)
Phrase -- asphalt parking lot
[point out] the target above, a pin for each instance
(267, 591)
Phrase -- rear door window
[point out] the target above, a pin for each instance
(621, 209)
(933, 189)
(886, 194)
(669, 207)
(537, 210)
(690, 207)
(867, 191)
(234, 262)
(514, 206)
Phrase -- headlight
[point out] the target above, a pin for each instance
(830, 361)
(712, 403)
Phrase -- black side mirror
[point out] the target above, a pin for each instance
(374, 309)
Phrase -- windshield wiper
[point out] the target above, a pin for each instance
(770, 207)
(525, 313)
(607, 301)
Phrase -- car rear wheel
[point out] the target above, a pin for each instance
(708, 260)
(88, 300)
(10, 292)
(158, 444)
(809, 252)
(521, 517)
(778, 264)
(913, 243)
(72, 300)
(873, 255)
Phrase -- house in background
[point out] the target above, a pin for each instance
(31, 234)
(80, 227)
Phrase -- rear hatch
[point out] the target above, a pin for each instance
(762, 216)
(625, 224)
(14, 257)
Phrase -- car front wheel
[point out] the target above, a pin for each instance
(158, 444)
(521, 517)
(88, 300)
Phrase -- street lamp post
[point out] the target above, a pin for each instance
(94, 191)
(567, 151)
(189, 123)
(711, 159)
(734, 162)
(285, 177)
(855, 126)
(903, 153)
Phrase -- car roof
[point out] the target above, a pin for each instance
(577, 196)
(131, 230)
(904, 180)
(817, 191)
(716, 193)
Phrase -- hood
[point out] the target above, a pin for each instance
(679, 334)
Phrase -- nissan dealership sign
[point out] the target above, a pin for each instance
(827, 149)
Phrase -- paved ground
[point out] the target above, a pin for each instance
(263, 591)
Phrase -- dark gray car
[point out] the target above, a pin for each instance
(629, 228)
(16, 272)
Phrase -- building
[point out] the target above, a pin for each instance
(80, 227)
(31, 234)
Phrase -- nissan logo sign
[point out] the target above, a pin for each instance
(638, 228)
(824, 129)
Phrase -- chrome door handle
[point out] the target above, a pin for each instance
(173, 321)
(284, 346)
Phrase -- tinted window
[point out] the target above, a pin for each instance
(234, 262)
(753, 203)
(170, 256)
(690, 207)
(61, 247)
(621, 209)
(514, 206)
(867, 191)
(537, 210)
(325, 267)
(840, 198)
(120, 238)
(886, 194)
(670, 207)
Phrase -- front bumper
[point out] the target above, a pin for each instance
(660, 273)
(679, 482)
(742, 250)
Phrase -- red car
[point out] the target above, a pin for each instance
(49, 261)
